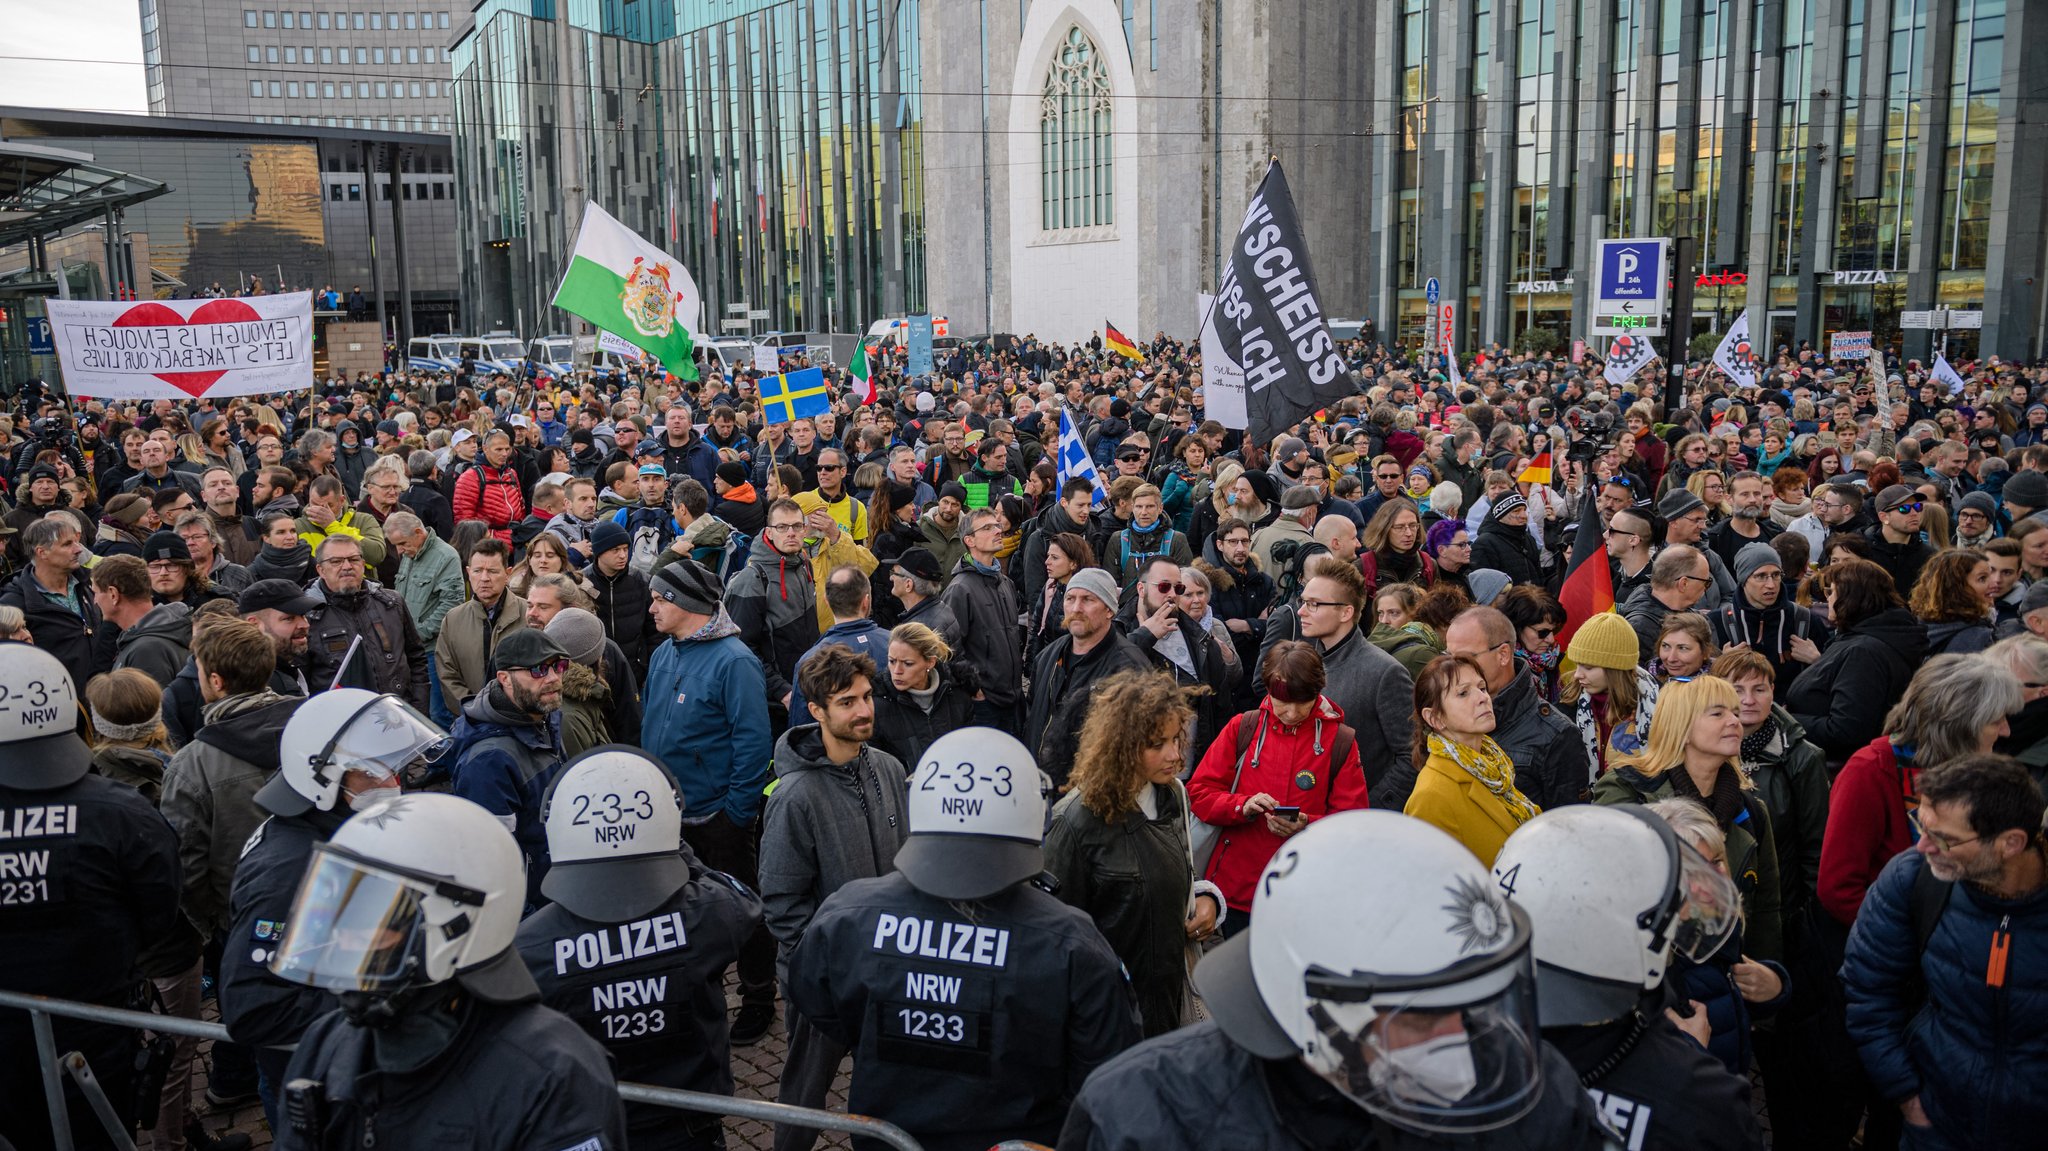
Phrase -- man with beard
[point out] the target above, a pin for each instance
(1068, 514)
(1751, 496)
(1067, 670)
(43, 497)
(685, 453)
(1895, 542)
(1240, 594)
(954, 460)
(941, 526)
(221, 497)
(508, 744)
(837, 814)
(1685, 524)
(1173, 643)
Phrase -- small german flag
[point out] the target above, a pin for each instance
(1538, 471)
(1119, 343)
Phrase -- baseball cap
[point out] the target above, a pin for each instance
(977, 816)
(1893, 496)
(274, 595)
(526, 648)
(651, 469)
(43, 750)
(615, 868)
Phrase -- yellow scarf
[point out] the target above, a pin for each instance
(1491, 766)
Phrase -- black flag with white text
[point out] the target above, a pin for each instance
(1270, 317)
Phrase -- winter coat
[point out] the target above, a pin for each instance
(489, 494)
(1549, 757)
(1729, 1016)
(432, 586)
(359, 526)
(1132, 876)
(1791, 775)
(1412, 644)
(469, 636)
(859, 636)
(743, 508)
(1842, 697)
(1031, 562)
(706, 720)
(906, 725)
(824, 825)
(985, 606)
(209, 795)
(1902, 561)
(69, 635)
(695, 458)
(1451, 799)
(1294, 765)
(1509, 550)
(1374, 692)
(1210, 670)
(426, 501)
(1976, 1049)
(1958, 637)
(774, 602)
(390, 658)
(622, 603)
(1769, 630)
(294, 563)
(1062, 686)
(934, 614)
(1752, 850)
(586, 711)
(1662, 1093)
(158, 644)
(946, 547)
(1132, 550)
(504, 763)
(1867, 824)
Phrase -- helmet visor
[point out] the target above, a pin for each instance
(352, 926)
(1710, 907)
(384, 738)
(1439, 1067)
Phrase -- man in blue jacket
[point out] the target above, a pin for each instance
(1946, 974)
(706, 720)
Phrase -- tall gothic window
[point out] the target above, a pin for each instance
(1074, 150)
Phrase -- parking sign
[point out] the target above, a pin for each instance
(1631, 285)
(39, 341)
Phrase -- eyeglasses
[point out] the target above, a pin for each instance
(166, 565)
(1544, 632)
(797, 526)
(342, 561)
(1387, 475)
(1165, 588)
(1620, 532)
(1945, 843)
(1701, 579)
(831, 467)
(555, 666)
(1319, 604)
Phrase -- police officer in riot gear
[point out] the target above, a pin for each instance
(1383, 997)
(1613, 892)
(408, 914)
(974, 1003)
(342, 750)
(88, 878)
(635, 944)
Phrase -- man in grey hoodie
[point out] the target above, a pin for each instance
(836, 813)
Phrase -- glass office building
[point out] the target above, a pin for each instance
(773, 146)
(1839, 164)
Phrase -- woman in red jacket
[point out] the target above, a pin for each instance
(1272, 772)
(1955, 706)
(490, 490)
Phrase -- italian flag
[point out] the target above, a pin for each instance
(632, 289)
(863, 372)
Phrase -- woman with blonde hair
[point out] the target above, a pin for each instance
(1685, 646)
(1466, 785)
(1120, 844)
(1712, 489)
(1231, 496)
(1692, 753)
(546, 554)
(1607, 694)
(129, 742)
(924, 696)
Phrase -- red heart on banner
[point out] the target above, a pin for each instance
(154, 315)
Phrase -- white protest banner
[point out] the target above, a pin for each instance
(184, 349)
(606, 342)
(1849, 346)
(767, 360)
(1734, 356)
(1222, 380)
(1626, 356)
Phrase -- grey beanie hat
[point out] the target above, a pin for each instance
(1097, 583)
(1754, 558)
(1980, 502)
(2028, 489)
(1487, 584)
(688, 585)
(580, 633)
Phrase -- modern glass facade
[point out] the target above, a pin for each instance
(774, 146)
(1837, 164)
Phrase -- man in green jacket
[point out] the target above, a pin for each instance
(430, 579)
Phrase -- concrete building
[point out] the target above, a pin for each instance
(773, 146)
(352, 64)
(1836, 165)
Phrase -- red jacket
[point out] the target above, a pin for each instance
(1866, 825)
(1290, 764)
(491, 495)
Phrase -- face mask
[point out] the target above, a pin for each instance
(1435, 1073)
(363, 800)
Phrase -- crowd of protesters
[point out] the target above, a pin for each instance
(1827, 651)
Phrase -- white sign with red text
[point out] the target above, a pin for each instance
(184, 349)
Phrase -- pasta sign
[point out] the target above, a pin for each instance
(184, 349)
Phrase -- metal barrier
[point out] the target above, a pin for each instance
(41, 1008)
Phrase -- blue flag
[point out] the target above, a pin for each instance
(1074, 459)
(795, 396)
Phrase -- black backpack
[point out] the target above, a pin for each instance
(1290, 559)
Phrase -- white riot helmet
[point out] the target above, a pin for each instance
(410, 893)
(1381, 953)
(977, 816)
(1613, 892)
(39, 745)
(615, 835)
(343, 730)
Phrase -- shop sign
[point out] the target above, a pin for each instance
(1720, 279)
(1861, 278)
(1539, 287)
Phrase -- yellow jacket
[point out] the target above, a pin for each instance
(354, 524)
(829, 554)
(1447, 796)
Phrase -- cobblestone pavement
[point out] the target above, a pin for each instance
(756, 1069)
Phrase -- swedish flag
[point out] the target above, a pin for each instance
(795, 396)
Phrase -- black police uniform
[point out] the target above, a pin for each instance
(260, 1010)
(651, 990)
(970, 1023)
(88, 879)
(1196, 1089)
(516, 1077)
(1655, 1088)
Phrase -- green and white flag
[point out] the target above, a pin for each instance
(632, 289)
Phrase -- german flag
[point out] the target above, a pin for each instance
(1538, 471)
(1588, 584)
(1119, 343)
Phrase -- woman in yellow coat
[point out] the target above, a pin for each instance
(1467, 783)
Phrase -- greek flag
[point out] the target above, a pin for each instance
(1074, 459)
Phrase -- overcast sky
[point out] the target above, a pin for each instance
(45, 46)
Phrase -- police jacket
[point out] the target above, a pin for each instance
(390, 659)
(1660, 1091)
(652, 991)
(88, 878)
(259, 1009)
(969, 1023)
(504, 762)
(1195, 1089)
(516, 1077)
(1549, 756)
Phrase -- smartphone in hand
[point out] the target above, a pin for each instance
(1290, 814)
